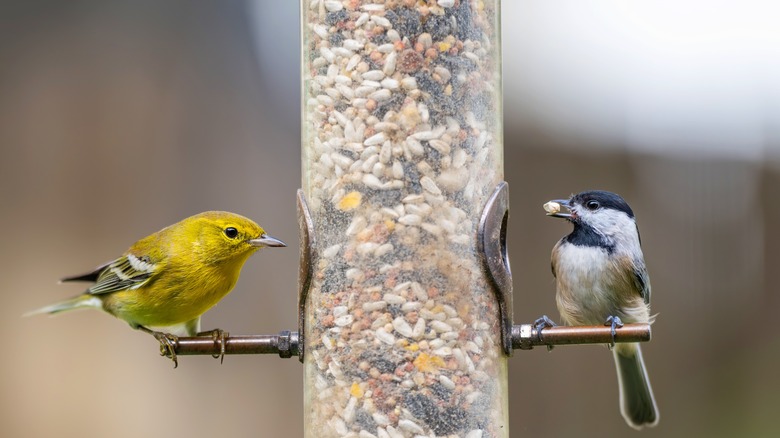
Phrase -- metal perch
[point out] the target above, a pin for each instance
(524, 337)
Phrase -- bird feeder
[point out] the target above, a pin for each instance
(402, 148)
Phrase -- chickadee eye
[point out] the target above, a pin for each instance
(231, 232)
(592, 205)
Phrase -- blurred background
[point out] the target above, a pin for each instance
(118, 118)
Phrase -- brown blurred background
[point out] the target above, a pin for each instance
(118, 118)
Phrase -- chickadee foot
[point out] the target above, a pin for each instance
(542, 323)
(615, 323)
(219, 336)
(167, 342)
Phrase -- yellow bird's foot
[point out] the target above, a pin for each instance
(219, 336)
(167, 342)
(167, 346)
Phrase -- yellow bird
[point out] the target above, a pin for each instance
(166, 281)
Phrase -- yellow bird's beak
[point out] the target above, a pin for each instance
(266, 240)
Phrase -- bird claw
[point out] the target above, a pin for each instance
(615, 322)
(219, 336)
(167, 345)
(542, 323)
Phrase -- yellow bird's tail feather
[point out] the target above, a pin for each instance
(83, 301)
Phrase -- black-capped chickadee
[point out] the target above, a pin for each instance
(600, 278)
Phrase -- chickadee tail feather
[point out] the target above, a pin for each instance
(637, 404)
(79, 302)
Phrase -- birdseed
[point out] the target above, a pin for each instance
(402, 147)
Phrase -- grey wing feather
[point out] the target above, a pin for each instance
(91, 276)
(641, 278)
(642, 282)
(126, 272)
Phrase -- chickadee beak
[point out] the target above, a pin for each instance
(563, 203)
(266, 240)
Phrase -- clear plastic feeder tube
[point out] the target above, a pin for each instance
(402, 147)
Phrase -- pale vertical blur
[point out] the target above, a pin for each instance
(118, 118)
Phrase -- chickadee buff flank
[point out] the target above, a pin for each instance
(601, 278)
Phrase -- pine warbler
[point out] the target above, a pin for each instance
(166, 281)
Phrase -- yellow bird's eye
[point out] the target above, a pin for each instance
(231, 232)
